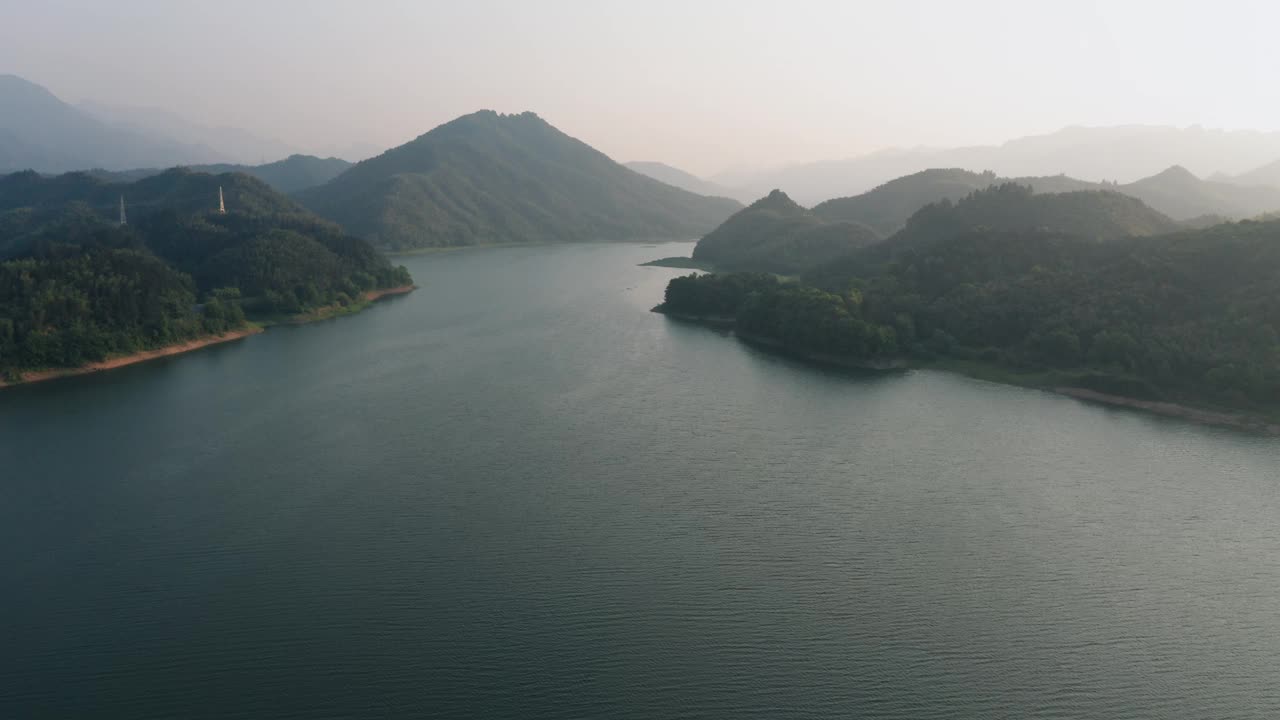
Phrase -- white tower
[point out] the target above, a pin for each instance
(222, 205)
(123, 220)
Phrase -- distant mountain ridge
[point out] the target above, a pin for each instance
(40, 132)
(1123, 153)
(1174, 192)
(487, 178)
(233, 145)
(676, 177)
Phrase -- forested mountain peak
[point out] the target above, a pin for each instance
(493, 178)
(1174, 175)
(775, 234)
(779, 202)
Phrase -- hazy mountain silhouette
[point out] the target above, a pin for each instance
(1267, 175)
(1124, 154)
(676, 177)
(40, 132)
(1175, 192)
(235, 145)
(490, 178)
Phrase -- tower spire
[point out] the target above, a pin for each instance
(222, 205)
(123, 219)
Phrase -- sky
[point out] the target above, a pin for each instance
(704, 85)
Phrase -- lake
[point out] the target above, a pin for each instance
(517, 493)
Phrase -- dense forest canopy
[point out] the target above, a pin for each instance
(76, 286)
(487, 178)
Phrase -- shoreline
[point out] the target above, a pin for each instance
(328, 312)
(410, 252)
(375, 295)
(35, 376)
(1237, 420)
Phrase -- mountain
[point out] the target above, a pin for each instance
(40, 132)
(293, 174)
(487, 178)
(1122, 153)
(776, 235)
(233, 144)
(676, 177)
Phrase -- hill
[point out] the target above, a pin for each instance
(1121, 153)
(38, 131)
(291, 175)
(676, 177)
(487, 178)
(776, 235)
(1087, 215)
(77, 287)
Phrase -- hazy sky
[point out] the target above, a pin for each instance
(706, 85)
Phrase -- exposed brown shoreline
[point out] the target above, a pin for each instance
(133, 358)
(33, 376)
(372, 295)
(1168, 409)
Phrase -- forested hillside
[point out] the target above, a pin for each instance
(75, 286)
(1188, 316)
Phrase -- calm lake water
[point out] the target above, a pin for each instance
(516, 493)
